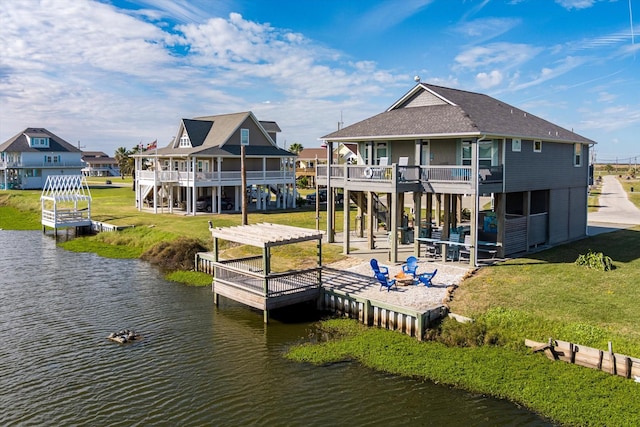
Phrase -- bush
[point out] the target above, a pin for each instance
(596, 261)
(174, 255)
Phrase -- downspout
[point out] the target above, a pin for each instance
(586, 225)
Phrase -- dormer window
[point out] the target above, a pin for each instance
(184, 140)
(38, 142)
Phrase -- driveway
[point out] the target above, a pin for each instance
(615, 212)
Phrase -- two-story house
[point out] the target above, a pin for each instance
(28, 158)
(446, 146)
(98, 163)
(201, 168)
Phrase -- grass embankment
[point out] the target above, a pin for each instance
(114, 204)
(541, 296)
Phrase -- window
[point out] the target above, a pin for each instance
(244, 136)
(537, 146)
(184, 140)
(40, 142)
(577, 154)
(380, 151)
(485, 153)
(516, 144)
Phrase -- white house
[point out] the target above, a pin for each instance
(28, 158)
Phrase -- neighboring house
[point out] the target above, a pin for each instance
(99, 164)
(28, 158)
(306, 163)
(448, 144)
(201, 168)
(346, 153)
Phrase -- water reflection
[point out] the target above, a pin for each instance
(196, 364)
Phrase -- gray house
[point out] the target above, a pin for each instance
(200, 169)
(523, 178)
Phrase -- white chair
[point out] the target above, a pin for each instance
(453, 250)
(465, 251)
(433, 248)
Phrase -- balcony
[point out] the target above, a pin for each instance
(394, 178)
(22, 165)
(216, 178)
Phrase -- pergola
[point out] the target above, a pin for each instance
(65, 202)
(250, 281)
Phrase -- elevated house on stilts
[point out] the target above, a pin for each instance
(524, 179)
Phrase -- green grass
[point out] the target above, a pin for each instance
(565, 393)
(191, 278)
(634, 196)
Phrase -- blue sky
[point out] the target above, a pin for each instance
(115, 73)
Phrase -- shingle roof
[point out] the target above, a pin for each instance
(20, 144)
(446, 112)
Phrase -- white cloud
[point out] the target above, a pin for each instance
(489, 80)
(606, 97)
(388, 14)
(508, 55)
(481, 30)
(612, 118)
(575, 4)
(564, 66)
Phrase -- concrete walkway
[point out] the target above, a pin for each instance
(615, 210)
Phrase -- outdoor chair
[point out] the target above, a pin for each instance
(433, 248)
(465, 251)
(379, 268)
(425, 278)
(411, 266)
(452, 250)
(385, 282)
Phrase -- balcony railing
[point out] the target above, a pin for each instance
(178, 176)
(7, 165)
(434, 174)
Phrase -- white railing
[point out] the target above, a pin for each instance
(5, 165)
(225, 176)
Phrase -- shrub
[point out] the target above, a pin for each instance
(174, 255)
(596, 261)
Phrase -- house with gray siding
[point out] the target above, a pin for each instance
(524, 179)
(201, 168)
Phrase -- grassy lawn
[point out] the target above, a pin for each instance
(628, 184)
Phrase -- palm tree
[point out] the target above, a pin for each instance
(296, 148)
(123, 160)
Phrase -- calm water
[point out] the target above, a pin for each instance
(197, 364)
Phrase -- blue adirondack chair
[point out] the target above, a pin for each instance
(425, 278)
(411, 266)
(379, 268)
(385, 282)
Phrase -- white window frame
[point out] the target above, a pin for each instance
(577, 155)
(516, 145)
(184, 140)
(244, 136)
(537, 146)
(466, 161)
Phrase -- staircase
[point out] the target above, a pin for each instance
(379, 209)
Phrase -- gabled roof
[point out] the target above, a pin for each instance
(429, 111)
(209, 136)
(20, 144)
(312, 153)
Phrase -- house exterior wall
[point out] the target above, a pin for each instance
(551, 168)
(256, 137)
(402, 149)
(567, 214)
(442, 152)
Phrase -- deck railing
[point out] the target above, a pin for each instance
(229, 176)
(61, 216)
(272, 285)
(439, 174)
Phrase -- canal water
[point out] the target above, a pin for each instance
(196, 364)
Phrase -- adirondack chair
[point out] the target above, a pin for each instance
(425, 278)
(379, 268)
(385, 282)
(411, 266)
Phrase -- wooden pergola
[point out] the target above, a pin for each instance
(250, 281)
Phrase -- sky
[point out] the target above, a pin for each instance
(111, 73)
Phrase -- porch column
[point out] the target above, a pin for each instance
(371, 227)
(473, 253)
(417, 217)
(359, 213)
(330, 205)
(346, 222)
(429, 212)
(393, 229)
(438, 210)
(527, 214)
(501, 209)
